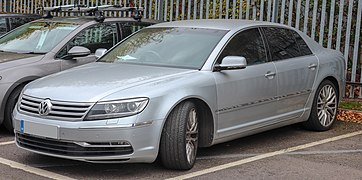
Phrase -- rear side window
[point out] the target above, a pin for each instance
(3, 28)
(303, 47)
(282, 43)
(18, 21)
(131, 27)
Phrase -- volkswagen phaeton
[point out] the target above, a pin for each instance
(174, 87)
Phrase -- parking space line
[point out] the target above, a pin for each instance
(33, 170)
(228, 156)
(6, 143)
(263, 156)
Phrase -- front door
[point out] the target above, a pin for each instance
(246, 97)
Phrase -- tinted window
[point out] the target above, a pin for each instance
(282, 43)
(3, 28)
(303, 47)
(248, 44)
(131, 27)
(98, 36)
(18, 21)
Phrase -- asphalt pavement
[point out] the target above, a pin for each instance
(285, 153)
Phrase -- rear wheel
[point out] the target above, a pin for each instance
(179, 139)
(10, 105)
(324, 109)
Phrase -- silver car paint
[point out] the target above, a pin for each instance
(165, 90)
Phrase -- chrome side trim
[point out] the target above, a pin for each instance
(262, 101)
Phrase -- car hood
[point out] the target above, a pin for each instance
(11, 59)
(92, 82)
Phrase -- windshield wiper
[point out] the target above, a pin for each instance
(32, 52)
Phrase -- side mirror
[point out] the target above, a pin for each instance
(231, 63)
(100, 52)
(78, 51)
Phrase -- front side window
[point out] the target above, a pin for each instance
(248, 44)
(36, 37)
(98, 36)
(282, 43)
(172, 47)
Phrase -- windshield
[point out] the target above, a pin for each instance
(36, 37)
(175, 47)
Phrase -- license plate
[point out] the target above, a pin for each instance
(38, 129)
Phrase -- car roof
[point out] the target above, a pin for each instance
(85, 19)
(18, 15)
(222, 24)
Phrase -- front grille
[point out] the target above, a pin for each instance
(60, 110)
(66, 148)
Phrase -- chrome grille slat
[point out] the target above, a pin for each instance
(29, 103)
(66, 113)
(61, 110)
(28, 108)
(70, 109)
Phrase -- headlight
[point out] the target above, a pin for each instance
(119, 108)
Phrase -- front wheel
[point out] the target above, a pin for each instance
(10, 105)
(324, 108)
(179, 140)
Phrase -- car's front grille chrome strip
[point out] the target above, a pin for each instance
(60, 110)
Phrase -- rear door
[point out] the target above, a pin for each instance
(246, 96)
(296, 69)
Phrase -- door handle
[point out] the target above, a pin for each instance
(312, 66)
(270, 75)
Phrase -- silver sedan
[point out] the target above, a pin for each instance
(174, 87)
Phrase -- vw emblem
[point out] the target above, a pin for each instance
(45, 107)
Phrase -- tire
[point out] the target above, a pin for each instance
(324, 108)
(10, 105)
(179, 140)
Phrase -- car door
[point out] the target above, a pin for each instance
(102, 35)
(246, 97)
(296, 67)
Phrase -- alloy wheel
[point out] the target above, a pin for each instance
(191, 135)
(327, 105)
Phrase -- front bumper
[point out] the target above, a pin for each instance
(114, 140)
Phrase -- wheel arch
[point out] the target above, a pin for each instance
(207, 125)
(18, 83)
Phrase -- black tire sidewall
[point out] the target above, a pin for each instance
(174, 138)
(10, 105)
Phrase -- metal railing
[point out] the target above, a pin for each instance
(334, 24)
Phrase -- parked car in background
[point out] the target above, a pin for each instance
(12, 21)
(174, 87)
(46, 46)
